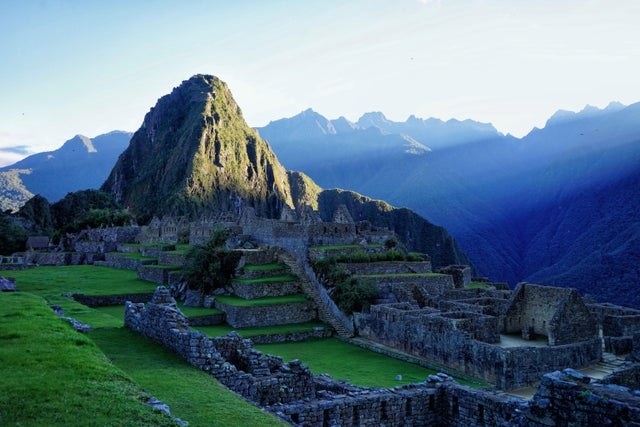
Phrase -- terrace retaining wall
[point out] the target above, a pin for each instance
(268, 315)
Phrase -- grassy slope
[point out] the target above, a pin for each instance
(52, 375)
(191, 394)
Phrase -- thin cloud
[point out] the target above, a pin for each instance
(21, 150)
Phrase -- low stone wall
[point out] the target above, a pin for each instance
(262, 379)
(315, 333)
(618, 345)
(50, 258)
(154, 251)
(154, 274)
(172, 258)
(208, 320)
(436, 284)
(388, 267)
(123, 262)
(261, 290)
(110, 300)
(568, 399)
(277, 314)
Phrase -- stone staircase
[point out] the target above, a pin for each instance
(609, 363)
(328, 312)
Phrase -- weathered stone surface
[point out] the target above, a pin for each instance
(7, 284)
(240, 317)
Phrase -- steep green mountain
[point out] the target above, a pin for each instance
(194, 152)
(81, 163)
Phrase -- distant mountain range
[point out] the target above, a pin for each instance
(80, 163)
(555, 207)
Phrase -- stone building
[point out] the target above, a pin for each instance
(559, 314)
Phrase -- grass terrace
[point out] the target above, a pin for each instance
(265, 267)
(359, 366)
(221, 330)
(348, 362)
(137, 256)
(261, 302)
(478, 285)
(52, 282)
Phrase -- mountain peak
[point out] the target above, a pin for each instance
(374, 118)
(194, 152)
(78, 144)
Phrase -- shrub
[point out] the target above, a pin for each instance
(211, 266)
(351, 295)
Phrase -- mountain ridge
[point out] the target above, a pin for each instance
(497, 195)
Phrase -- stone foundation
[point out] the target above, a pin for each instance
(277, 314)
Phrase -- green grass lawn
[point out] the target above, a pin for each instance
(264, 267)
(192, 395)
(281, 278)
(349, 362)
(55, 376)
(137, 256)
(478, 285)
(261, 302)
(52, 283)
(224, 329)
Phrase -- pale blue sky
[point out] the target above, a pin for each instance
(88, 67)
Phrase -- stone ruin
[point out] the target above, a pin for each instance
(292, 392)
(467, 330)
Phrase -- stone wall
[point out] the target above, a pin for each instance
(171, 258)
(464, 341)
(315, 333)
(123, 262)
(262, 379)
(261, 290)
(154, 274)
(461, 274)
(276, 314)
(208, 320)
(388, 267)
(568, 399)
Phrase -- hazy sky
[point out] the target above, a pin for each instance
(88, 67)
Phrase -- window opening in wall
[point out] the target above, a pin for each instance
(455, 406)
(480, 414)
(407, 406)
(295, 418)
(356, 416)
(326, 417)
(383, 411)
(432, 402)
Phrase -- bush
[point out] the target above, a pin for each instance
(351, 295)
(211, 266)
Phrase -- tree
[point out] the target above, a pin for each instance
(211, 266)
(351, 295)
(12, 236)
